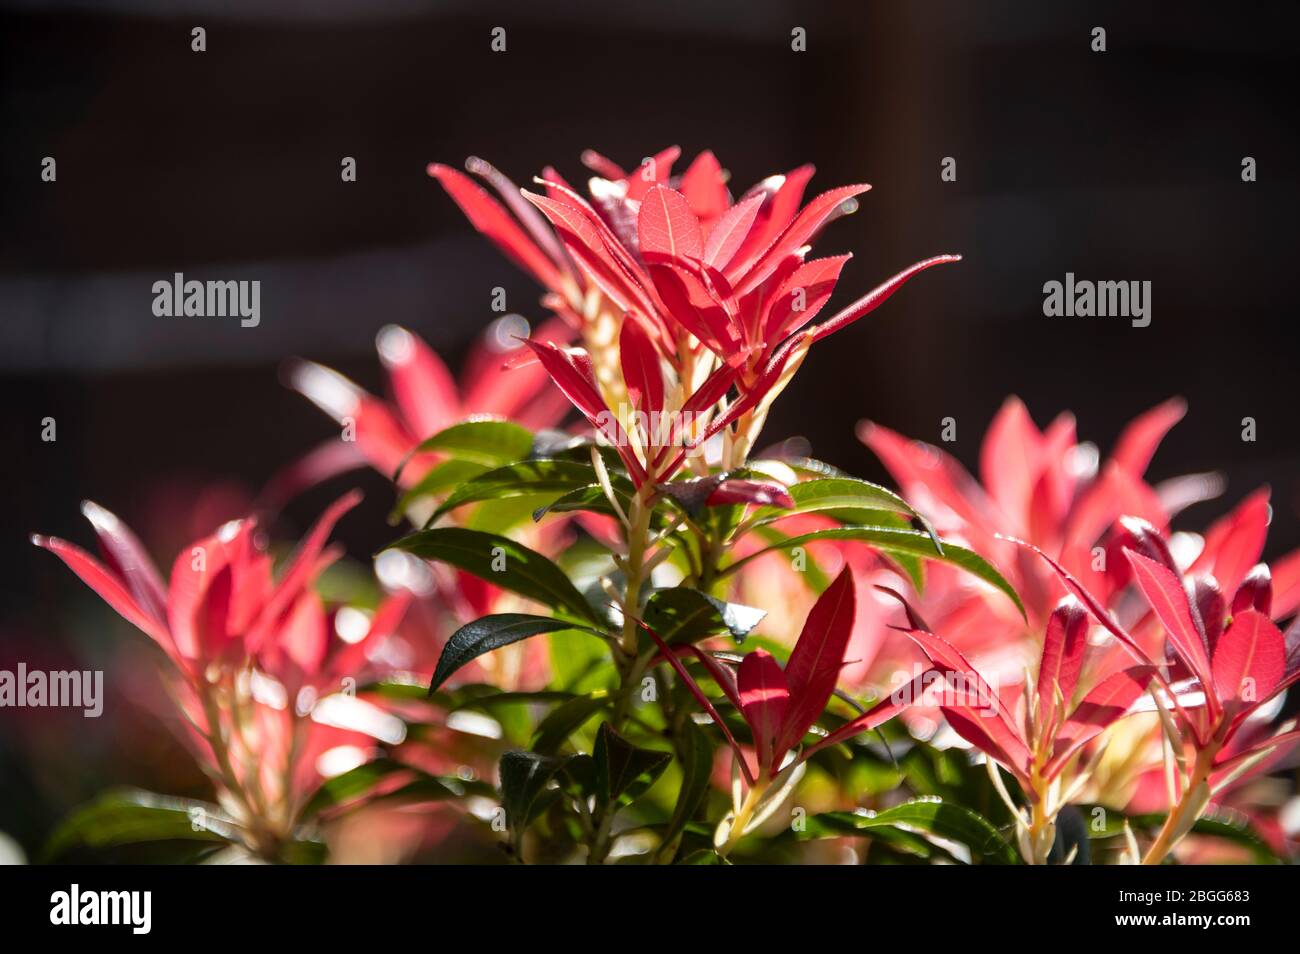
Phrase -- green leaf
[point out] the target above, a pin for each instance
(1223, 824)
(565, 719)
(930, 815)
(440, 478)
(491, 632)
(892, 540)
(624, 771)
(592, 498)
(502, 562)
(360, 782)
(520, 479)
(683, 615)
(491, 443)
(696, 753)
(350, 785)
(131, 816)
(524, 776)
(835, 493)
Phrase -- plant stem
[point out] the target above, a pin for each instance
(1182, 816)
(741, 821)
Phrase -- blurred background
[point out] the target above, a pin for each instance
(1123, 165)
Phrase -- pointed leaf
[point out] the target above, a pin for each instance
(491, 632)
(501, 562)
(622, 770)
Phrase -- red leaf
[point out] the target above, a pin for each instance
(486, 215)
(804, 226)
(701, 698)
(644, 177)
(641, 370)
(760, 492)
(817, 658)
(1249, 661)
(809, 286)
(705, 187)
(422, 386)
(1108, 700)
(574, 376)
(880, 713)
(1063, 647)
(585, 242)
(668, 227)
(781, 197)
(1234, 544)
(1255, 592)
(1138, 443)
(730, 231)
(691, 305)
(877, 296)
(110, 588)
(1168, 599)
(1011, 460)
(764, 696)
(300, 570)
(129, 559)
(1000, 730)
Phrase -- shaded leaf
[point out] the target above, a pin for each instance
(683, 615)
(624, 771)
(502, 562)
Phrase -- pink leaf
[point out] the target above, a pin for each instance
(1064, 644)
(1249, 661)
(1234, 544)
(804, 226)
(1137, 445)
(668, 227)
(817, 658)
(802, 295)
(701, 698)
(110, 588)
(486, 215)
(705, 187)
(730, 231)
(641, 370)
(877, 296)
(1011, 459)
(764, 697)
(1108, 701)
(759, 492)
(1168, 599)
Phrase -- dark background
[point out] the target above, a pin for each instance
(225, 164)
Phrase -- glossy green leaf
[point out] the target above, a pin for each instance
(524, 776)
(491, 443)
(624, 771)
(484, 635)
(502, 562)
(440, 478)
(565, 719)
(696, 753)
(130, 816)
(360, 783)
(930, 815)
(892, 540)
(683, 615)
(836, 493)
(519, 479)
